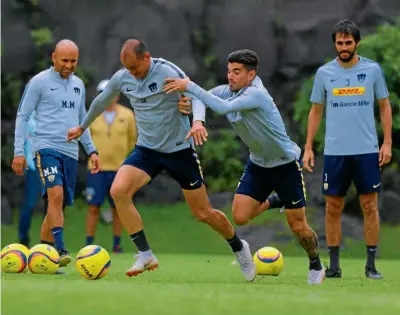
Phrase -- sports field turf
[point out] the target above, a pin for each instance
(194, 279)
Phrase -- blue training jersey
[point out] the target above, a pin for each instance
(59, 104)
(255, 117)
(349, 95)
(161, 127)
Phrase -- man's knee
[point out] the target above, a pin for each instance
(297, 221)
(369, 204)
(94, 210)
(55, 195)
(203, 213)
(119, 192)
(334, 206)
(239, 217)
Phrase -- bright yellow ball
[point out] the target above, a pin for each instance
(268, 261)
(14, 258)
(93, 262)
(43, 259)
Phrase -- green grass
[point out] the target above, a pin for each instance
(200, 284)
(196, 275)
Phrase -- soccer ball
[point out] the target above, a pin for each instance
(93, 262)
(269, 261)
(14, 258)
(43, 259)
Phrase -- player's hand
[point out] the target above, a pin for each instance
(198, 132)
(308, 160)
(175, 85)
(19, 165)
(185, 105)
(385, 154)
(74, 133)
(95, 162)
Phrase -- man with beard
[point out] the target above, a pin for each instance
(348, 86)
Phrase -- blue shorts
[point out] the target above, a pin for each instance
(183, 166)
(57, 169)
(286, 180)
(341, 170)
(98, 187)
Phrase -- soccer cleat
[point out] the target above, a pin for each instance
(372, 273)
(316, 276)
(246, 262)
(65, 257)
(333, 273)
(142, 265)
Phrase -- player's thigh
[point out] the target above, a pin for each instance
(288, 183)
(255, 182)
(70, 169)
(184, 167)
(95, 188)
(128, 181)
(337, 175)
(366, 173)
(49, 165)
(243, 208)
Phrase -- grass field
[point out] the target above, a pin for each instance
(195, 277)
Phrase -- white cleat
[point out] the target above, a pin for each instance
(246, 262)
(316, 276)
(141, 265)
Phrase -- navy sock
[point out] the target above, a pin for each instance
(140, 241)
(333, 257)
(58, 237)
(371, 251)
(117, 241)
(89, 240)
(315, 263)
(235, 243)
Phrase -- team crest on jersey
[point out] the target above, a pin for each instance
(361, 77)
(51, 178)
(77, 90)
(153, 87)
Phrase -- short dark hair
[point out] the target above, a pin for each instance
(246, 57)
(141, 48)
(347, 27)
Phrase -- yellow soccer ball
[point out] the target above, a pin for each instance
(14, 258)
(43, 259)
(93, 262)
(268, 261)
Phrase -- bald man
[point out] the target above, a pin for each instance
(57, 98)
(162, 144)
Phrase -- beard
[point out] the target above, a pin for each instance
(347, 59)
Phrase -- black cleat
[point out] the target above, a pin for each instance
(275, 202)
(332, 273)
(372, 273)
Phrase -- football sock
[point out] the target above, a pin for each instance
(235, 243)
(371, 251)
(333, 257)
(274, 202)
(140, 241)
(315, 263)
(89, 240)
(58, 237)
(117, 241)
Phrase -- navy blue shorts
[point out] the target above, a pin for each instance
(341, 170)
(57, 169)
(183, 166)
(286, 180)
(98, 186)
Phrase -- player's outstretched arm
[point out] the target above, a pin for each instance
(85, 138)
(97, 107)
(27, 105)
(245, 101)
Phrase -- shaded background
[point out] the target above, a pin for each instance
(291, 37)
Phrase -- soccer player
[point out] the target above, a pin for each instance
(348, 86)
(274, 163)
(58, 98)
(161, 146)
(114, 134)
